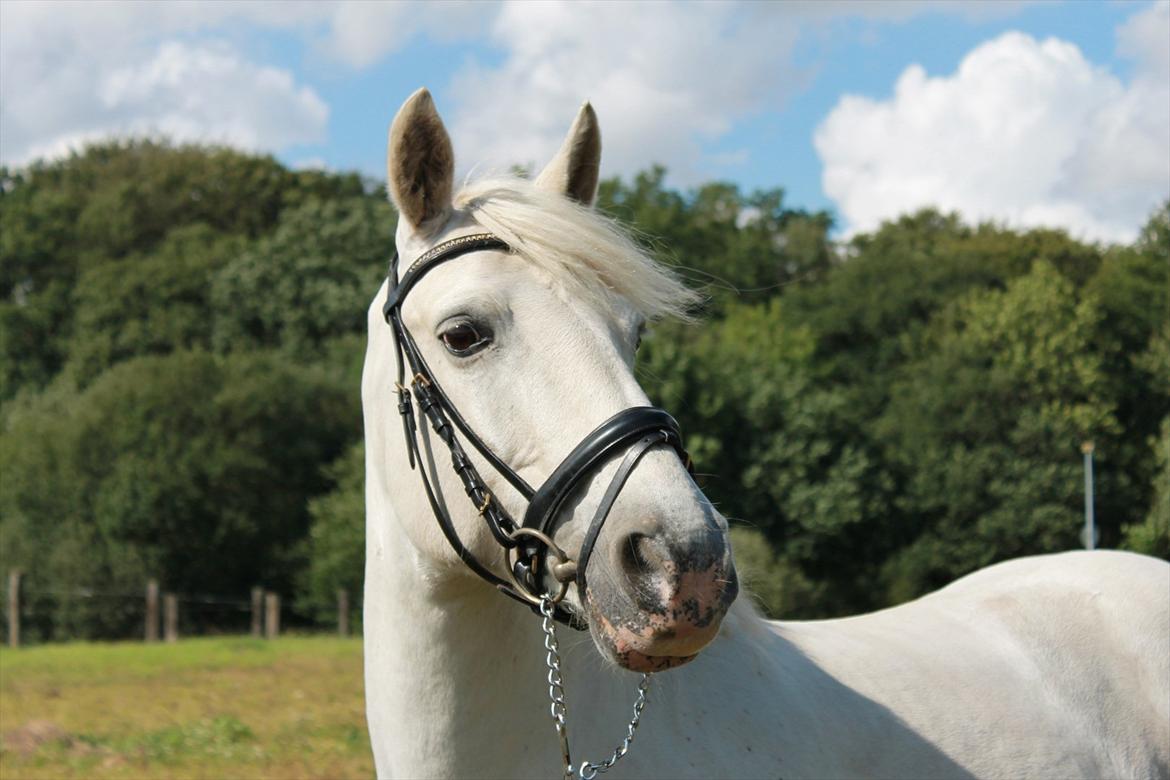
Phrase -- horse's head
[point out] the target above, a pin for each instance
(534, 346)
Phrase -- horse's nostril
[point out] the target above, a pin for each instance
(642, 560)
(640, 556)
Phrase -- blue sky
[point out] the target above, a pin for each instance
(856, 56)
(1053, 113)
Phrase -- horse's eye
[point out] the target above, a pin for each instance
(462, 339)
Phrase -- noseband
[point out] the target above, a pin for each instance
(527, 545)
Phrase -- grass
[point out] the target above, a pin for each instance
(201, 708)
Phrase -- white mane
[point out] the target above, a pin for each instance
(586, 251)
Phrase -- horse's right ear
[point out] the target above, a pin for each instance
(420, 163)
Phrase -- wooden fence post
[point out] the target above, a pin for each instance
(171, 611)
(152, 611)
(342, 612)
(257, 609)
(14, 608)
(272, 615)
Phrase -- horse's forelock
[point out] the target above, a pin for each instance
(575, 245)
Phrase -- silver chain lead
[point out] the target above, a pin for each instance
(556, 688)
(556, 694)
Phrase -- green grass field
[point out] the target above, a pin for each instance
(202, 708)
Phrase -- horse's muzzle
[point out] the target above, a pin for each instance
(654, 604)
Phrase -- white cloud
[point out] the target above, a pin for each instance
(1145, 38)
(667, 78)
(71, 73)
(664, 78)
(362, 32)
(902, 10)
(189, 92)
(1027, 132)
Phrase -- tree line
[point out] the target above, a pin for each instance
(182, 332)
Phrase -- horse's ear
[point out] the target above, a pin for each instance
(574, 170)
(420, 163)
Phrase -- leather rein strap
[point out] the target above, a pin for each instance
(634, 431)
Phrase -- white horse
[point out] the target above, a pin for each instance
(1055, 666)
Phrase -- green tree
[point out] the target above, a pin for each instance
(778, 588)
(116, 200)
(309, 281)
(740, 248)
(771, 448)
(896, 279)
(148, 304)
(1133, 288)
(335, 545)
(188, 467)
(181, 341)
(1152, 536)
(987, 425)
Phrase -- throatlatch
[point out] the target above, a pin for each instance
(526, 546)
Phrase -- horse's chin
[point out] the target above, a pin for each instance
(641, 650)
(640, 662)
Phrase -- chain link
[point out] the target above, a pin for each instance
(556, 693)
(590, 770)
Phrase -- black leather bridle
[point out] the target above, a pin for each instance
(633, 431)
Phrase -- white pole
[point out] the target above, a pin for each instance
(1090, 527)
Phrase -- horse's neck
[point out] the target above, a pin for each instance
(454, 673)
(455, 684)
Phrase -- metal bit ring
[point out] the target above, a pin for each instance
(553, 549)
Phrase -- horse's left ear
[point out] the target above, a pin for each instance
(574, 171)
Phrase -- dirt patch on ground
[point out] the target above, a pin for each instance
(36, 735)
(30, 737)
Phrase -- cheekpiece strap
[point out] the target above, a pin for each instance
(437, 409)
(633, 455)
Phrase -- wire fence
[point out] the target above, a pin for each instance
(37, 612)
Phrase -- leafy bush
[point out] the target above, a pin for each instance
(181, 337)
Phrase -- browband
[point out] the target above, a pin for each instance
(440, 253)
